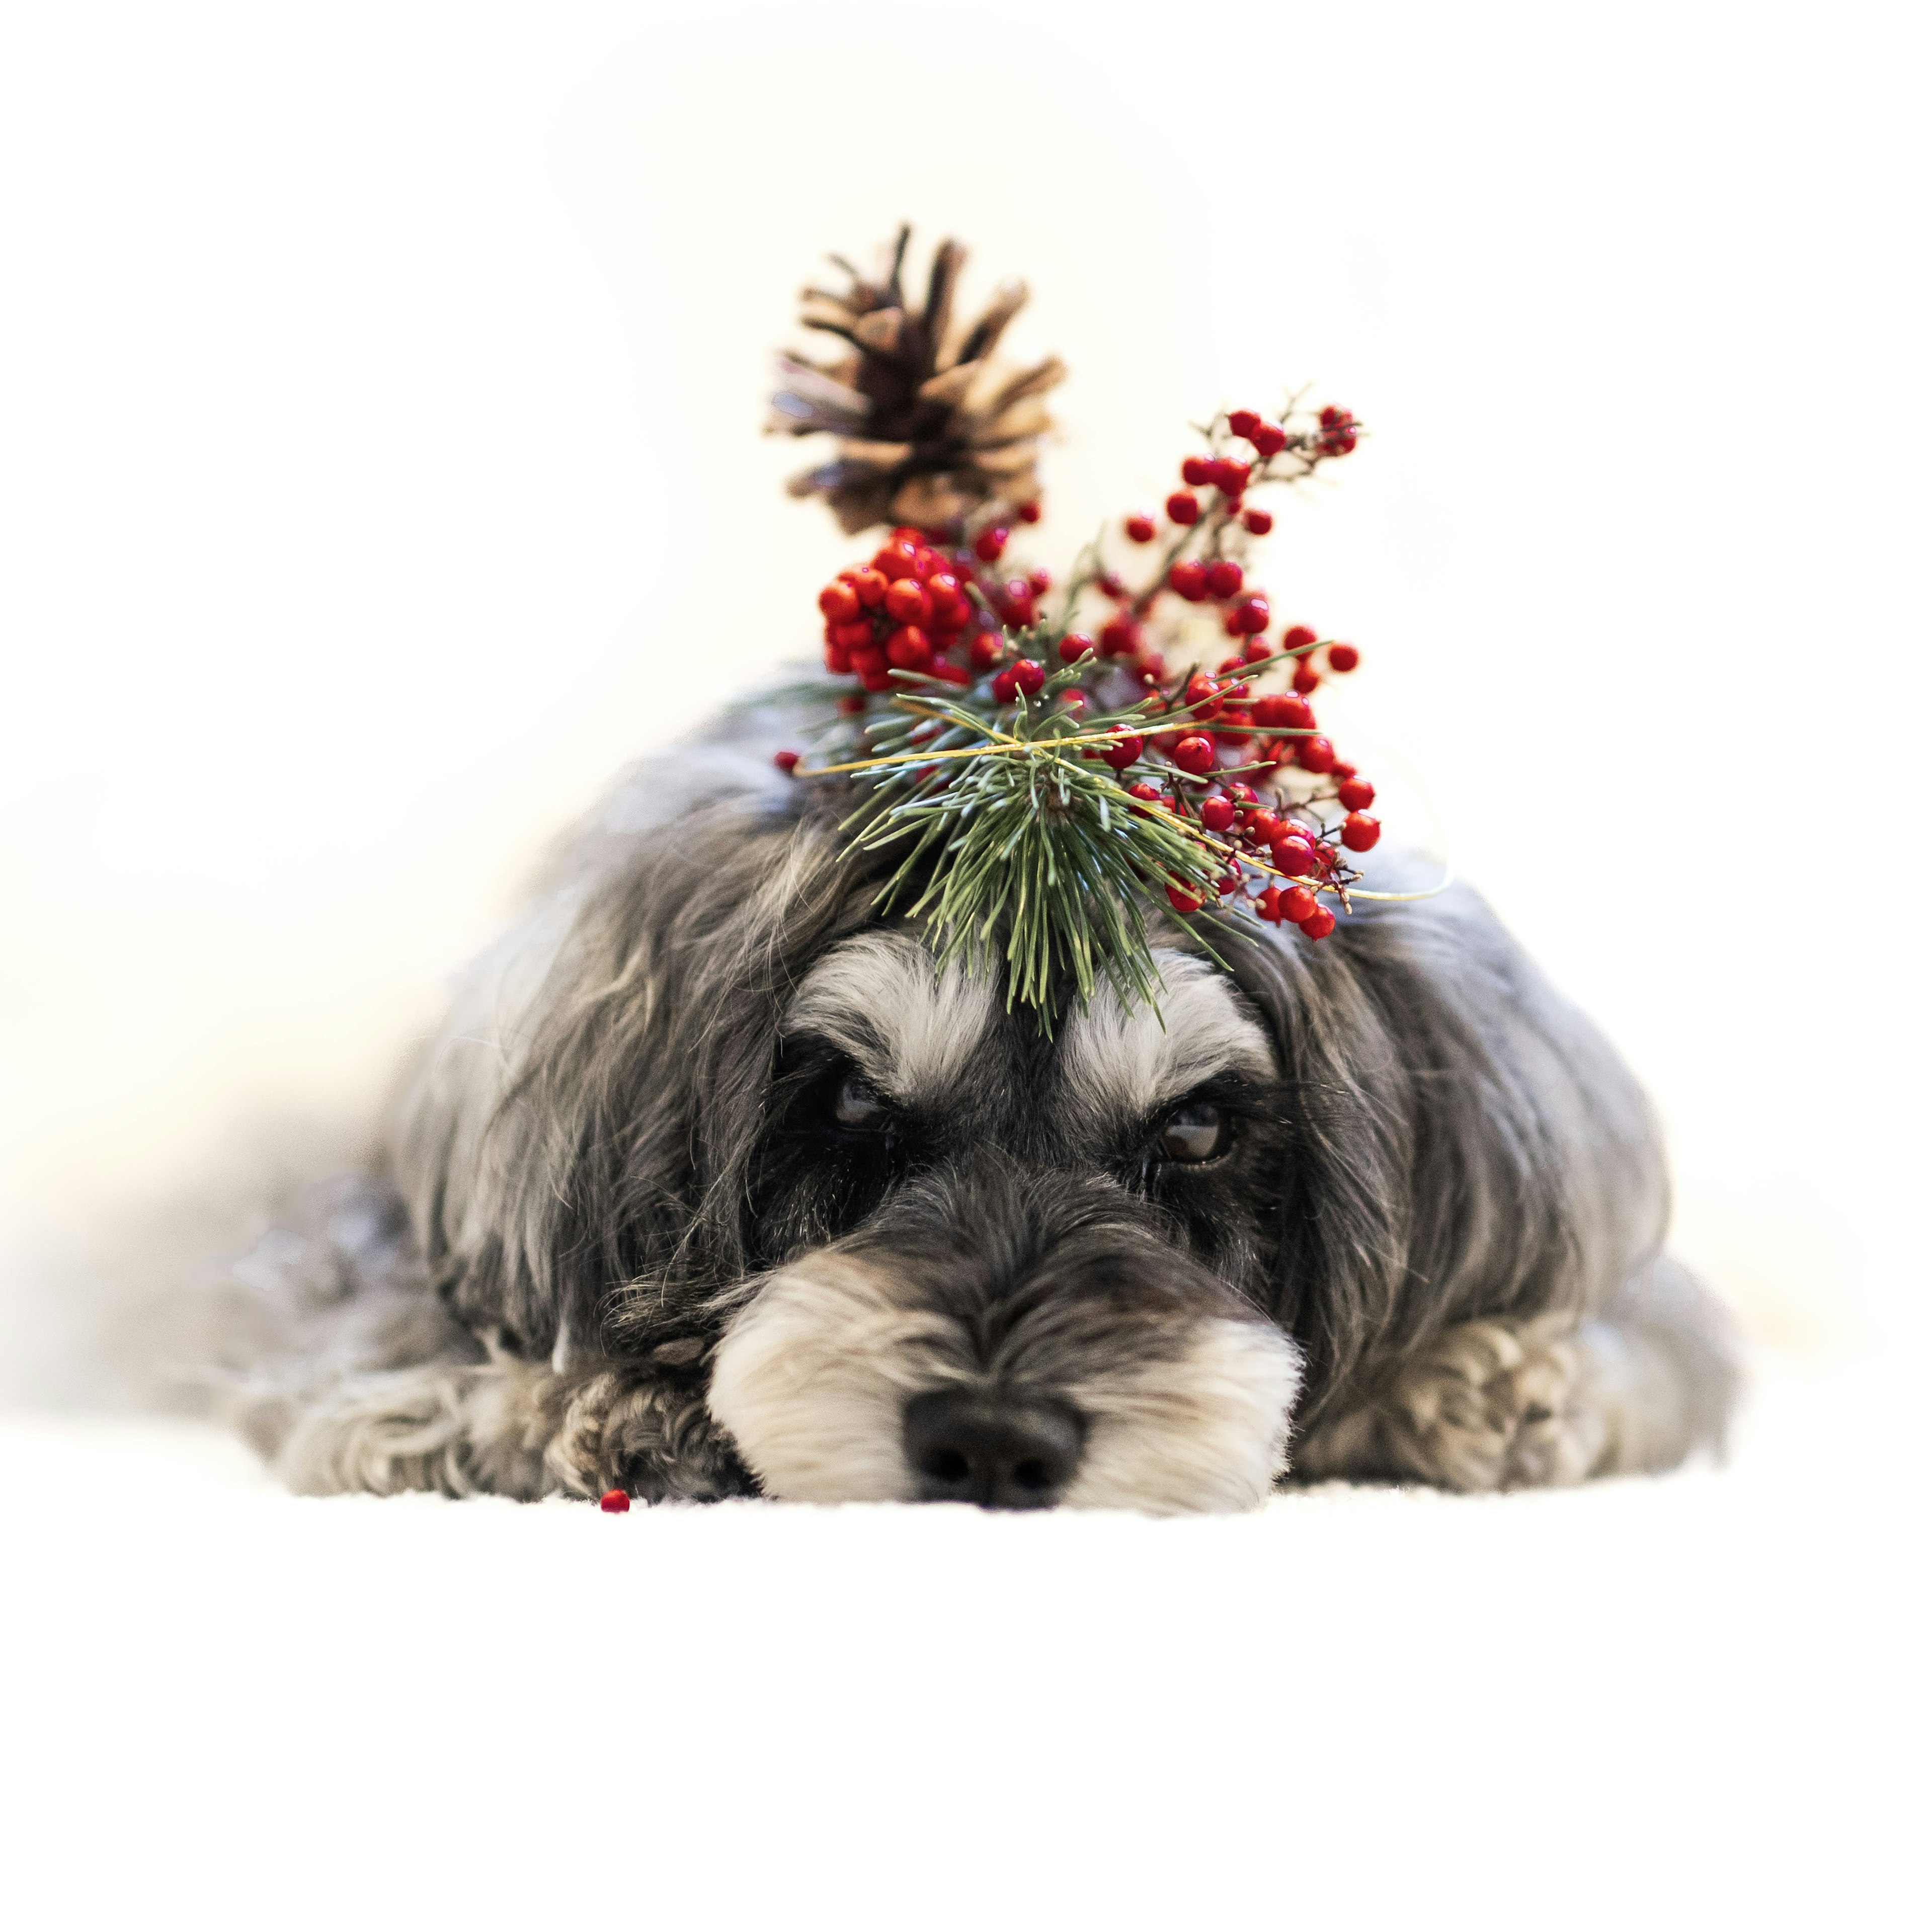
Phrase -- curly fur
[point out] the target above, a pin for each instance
(607, 1246)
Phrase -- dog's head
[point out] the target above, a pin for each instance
(1007, 1268)
(918, 1247)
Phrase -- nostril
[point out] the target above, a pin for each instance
(1003, 1451)
(946, 1466)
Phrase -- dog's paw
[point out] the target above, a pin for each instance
(1489, 1405)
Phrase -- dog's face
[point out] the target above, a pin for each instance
(998, 1267)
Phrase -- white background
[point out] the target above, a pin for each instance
(381, 390)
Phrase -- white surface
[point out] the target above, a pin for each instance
(1692, 1702)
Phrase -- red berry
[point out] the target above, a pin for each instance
(1073, 701)
(1340, 770)
(1262, 829)
(1194, 754)
(1139, 529)
(1188, 579)
(1307, 678)
(926, 561)
(1257, 523)
(869, 586)
(1269, 439)
(1200, 689)
(1120, 636)
(908, 602)
(895, 561)
(909, 648)
(1124, 752)
(1147, 793)
(1294, 856)
(1229, 882)
(838, 661)
(1006, 686)
(1230, 478)
(1359, 832)
(1224, 577)
(1183, 507)
(1298, 903)
(1029, 513)
(1319, 924)
(786, 761)
(1343, 657)
(851, 706)
(1356, 794)
(1217, 813)
(1075, 646)
(1183, 898)
(1297, 639)
(990, 545)
(839, 602)
(1242, 794)
(1269, 904)
(1250, 617)
(1195, 471)
(1029, 674)
(868, 659)
(1039, 582)
(985, 649)
(1111, 583)
(613, 1502)
(1243, 421)
(1315, 755)
(849, 637)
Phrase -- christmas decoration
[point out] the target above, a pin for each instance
(931, 425)
(1045, 764)
(613, 1502)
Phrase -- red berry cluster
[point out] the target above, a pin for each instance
(1245, 771)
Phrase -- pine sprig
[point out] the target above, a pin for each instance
(1036, 844)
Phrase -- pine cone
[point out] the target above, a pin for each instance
(930, 426)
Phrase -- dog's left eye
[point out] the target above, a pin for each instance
(1195, 1131)
(856, 1105)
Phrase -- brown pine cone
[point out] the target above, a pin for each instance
(931, 427)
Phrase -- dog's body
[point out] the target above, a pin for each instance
(712, 1184)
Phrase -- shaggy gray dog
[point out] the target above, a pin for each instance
(712, 1184)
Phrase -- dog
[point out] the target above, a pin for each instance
(713, 1184)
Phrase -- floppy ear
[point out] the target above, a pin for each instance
(592, 1138)
(1465, 1142)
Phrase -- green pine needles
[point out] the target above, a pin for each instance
(1022, 832)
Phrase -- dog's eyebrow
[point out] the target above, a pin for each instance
(911, 1029)
(1123, 1062)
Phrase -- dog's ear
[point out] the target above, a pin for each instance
(1464, 1143)
(589, 1166)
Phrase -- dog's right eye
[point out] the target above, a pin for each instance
(855, 1104)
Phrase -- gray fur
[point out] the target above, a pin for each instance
(1440, 1228)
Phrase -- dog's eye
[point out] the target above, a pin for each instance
(856, 1105)
(1195, 1131)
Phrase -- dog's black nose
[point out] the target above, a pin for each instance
(966, 1446)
